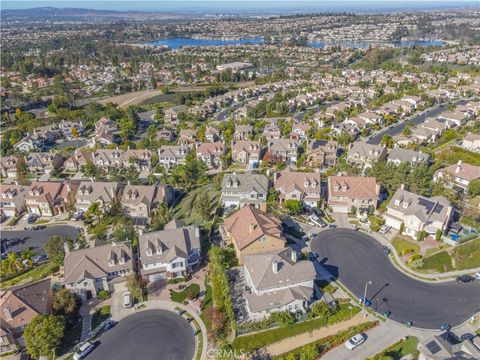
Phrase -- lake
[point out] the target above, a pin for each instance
(178, 42)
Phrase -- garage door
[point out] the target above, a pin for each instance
(339, 209)
(160, 276)
(393, 223)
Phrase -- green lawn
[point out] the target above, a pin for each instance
(185, 209)
(467, 256)
(375, 222)
(249, 343)
(452, 155)
(181, 296)
(401, 245)
(37, 273)
(399, 350)
(439, 262)
(326, 286)
(100, 315)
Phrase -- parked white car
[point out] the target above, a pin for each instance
(354, 341)
(83, 351)
(477, 275)
(127, 301)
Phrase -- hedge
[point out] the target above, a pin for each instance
(251, 342)
(318, 348)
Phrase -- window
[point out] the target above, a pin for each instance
(177, 264)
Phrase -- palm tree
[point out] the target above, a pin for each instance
(14, 262)
(27, 255)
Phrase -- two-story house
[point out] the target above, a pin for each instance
(103, 193)
(300, 186)
(140, 201)
(418, 213)
(283, 150)
(169, 253)
(211, 153)
(458, 176)
(108, 158)
(253, 231)
(278, 281)
(12, 199)
(50, 198)
(243, 132)
(171, 155)
(246, 152)
(322, 153)
(43, 163)
(91, 270)
(365, 155)
(399, 156)
(8, 166)
(245, 189)
(348, 192)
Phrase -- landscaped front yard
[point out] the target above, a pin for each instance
(403, 246)
(189, 292)
(100, 316)
(399, 350)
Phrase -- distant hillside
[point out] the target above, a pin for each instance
(79, 13)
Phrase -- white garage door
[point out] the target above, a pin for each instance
(160, 276)
(393, 223)
(339, 209)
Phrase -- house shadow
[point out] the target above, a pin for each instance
(332, 269)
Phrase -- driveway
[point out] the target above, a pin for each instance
(355, 257)
(149, 334)
(18, 240)
(341, 219)
(117, 302)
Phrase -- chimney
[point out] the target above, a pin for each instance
(402, 186)
(252, 227)
(275, 267)
(459, 167)
(8, 314)
(66, 248)
(294, 256)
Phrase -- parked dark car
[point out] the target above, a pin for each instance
(464, 279)
(467, 336)
(445, 327)
(386, 250)
(38, 227)
(109, 324)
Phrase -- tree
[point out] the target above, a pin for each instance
(474, 188)
(319, 309)
(284, 318)
(14, 263)
(202, 205)
(27, 255)
(387, 140)
(161, 217)
(294, 206)
(136, 286)
(94, 212)
(55, 249)
(43, 334)
(64, 302)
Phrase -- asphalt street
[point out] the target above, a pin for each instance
(417, 119)
(147, 335)
(355, 258)
(18, 240)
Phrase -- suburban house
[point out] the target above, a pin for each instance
(140, 159)
(300, 186)
(78, 159)
(322, 153)
(246, 152)
(43, 163)
(171, 155)
(107, 158)
(106, 125)
(103, 193)
(8, 166)
(364, 155)
(169, 253)
(28, 143)
(50, 198)
(242, 132)
(283, 150)
(12, 199)
(91, 270)
(418, 213)
(19, 305)
(140, 201)
(187, 137)
(399, 155)
(272, 131)
(346, 193)
(458, 176)
(278, 281)
(211, 153)
(212, 134)
(471, 142)
(245, 189)
(253, 231)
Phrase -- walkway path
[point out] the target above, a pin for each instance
(170, 305)
(306, 338)
(86, 321)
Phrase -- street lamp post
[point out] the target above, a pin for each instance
(369, 282)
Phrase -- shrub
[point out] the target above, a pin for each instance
(103, 294)
(414, 257)
(283, 318)
(402, 227)
(438, 235)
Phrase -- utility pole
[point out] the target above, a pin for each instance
(369, 282)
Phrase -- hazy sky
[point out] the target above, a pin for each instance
(198, 5)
